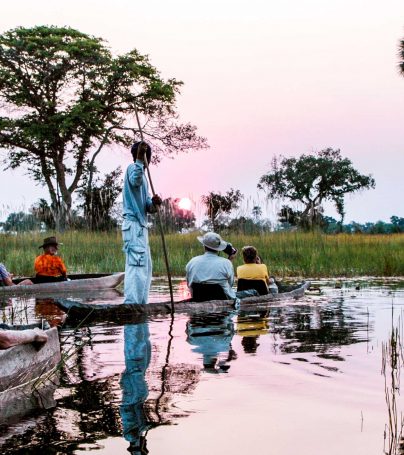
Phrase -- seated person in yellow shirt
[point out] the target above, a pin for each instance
(253, 269)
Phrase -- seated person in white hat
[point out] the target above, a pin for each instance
(210, 268)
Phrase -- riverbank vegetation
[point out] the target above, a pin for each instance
(287, 254)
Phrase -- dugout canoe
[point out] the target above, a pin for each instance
(114, 311)
(87, 282)
(28, 376)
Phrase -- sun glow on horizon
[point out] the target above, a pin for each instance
(185, 203)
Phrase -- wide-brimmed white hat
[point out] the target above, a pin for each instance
(213, 241)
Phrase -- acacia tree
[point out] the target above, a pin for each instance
(64, 97)
(313, 179)
(218, 204)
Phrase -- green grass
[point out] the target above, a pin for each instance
(286, 254)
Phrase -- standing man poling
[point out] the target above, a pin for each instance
(136, 204)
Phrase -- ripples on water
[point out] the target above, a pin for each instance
(302, 377)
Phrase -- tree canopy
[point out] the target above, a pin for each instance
(64, 96)
(218, 204)
(314, 179)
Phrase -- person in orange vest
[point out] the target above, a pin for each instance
(48, 266)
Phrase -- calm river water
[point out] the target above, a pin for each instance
(303, 377)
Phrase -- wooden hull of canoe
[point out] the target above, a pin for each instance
(76, 285)
(28, 377)
(135, 312)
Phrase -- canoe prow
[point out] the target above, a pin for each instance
(110, 281)
(28, 377)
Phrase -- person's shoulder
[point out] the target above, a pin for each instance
(226, 262)
(194, 259)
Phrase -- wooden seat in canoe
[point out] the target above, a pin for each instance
(259, 285)
(202, 292)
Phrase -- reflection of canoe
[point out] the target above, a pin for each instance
(27, 377)
(78, 310)
(87, 282)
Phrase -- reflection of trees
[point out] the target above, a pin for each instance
(316, 329)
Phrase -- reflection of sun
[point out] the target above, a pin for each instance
(185, 203)
(183, 290)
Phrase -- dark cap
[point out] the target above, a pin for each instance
(50, 241)
(134, 148)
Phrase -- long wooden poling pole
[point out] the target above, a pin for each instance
(163, 240)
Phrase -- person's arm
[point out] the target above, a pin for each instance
(5, 276)
(8, 281)
(266, 275)
(10, 338)
(135, 173)
(230, 273)
(187, 274)
(153, 203)
(37, 265)
(62, 267)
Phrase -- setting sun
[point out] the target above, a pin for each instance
(185, 203)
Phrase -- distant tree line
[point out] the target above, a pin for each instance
(309, 180)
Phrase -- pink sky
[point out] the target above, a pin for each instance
(261, 78)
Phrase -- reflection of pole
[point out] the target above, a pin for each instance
(163, 241)
(165, 367)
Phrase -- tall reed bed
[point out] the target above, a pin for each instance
(285, 253)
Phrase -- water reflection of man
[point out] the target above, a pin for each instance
(212, 335)
(137, 349)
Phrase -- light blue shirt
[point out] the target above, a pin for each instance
(136, 199)
(3, 272)
(211, 269)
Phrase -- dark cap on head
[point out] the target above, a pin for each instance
(50, 241)
(134, 148)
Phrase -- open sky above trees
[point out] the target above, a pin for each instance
(261, 79)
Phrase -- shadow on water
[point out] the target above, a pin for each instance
(125, 380)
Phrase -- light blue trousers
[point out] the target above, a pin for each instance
(138, 265)
(133, 383)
